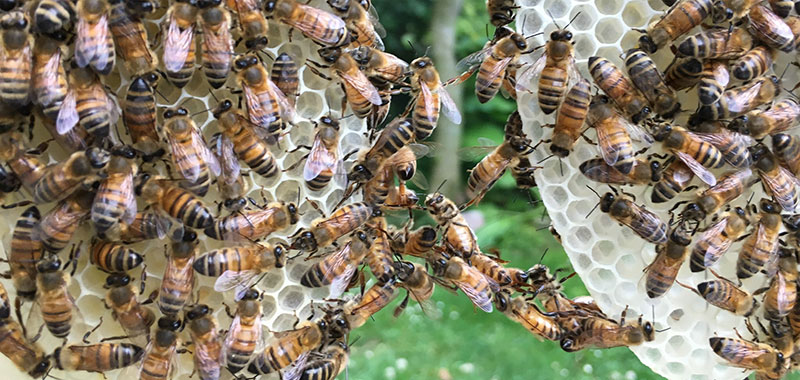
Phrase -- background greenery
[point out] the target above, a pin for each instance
(459, 342)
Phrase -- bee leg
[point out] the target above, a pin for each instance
(622, 316)
(86, 336)
(291, 167)
(401, 307)
(228, 310)
(18, 312)
(15, 205)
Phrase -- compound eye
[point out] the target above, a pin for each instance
(554, 35)
(252, 60)
(168, 114)
(182, 112)
(568, 35)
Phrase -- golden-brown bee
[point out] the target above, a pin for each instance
(570, 118)
(360, 309)
(762, 244)
(493, 63)
(159, 358)
(661, 273)
(87, 102)
(178, 31)
(753, 64)
(605, 333)
(501, 12)
(782, 8)
(139, 114)
(60, 223)
(523, 174)
(284, 75)
(322, 27)
(740, 100)
(146, 225)
(253, 25)
(717, 239)
(649, 80)
(459, 238)
(62, 179)
(27, 356)
(401, 197)
(131, 38)
(683, 73)
(713, 80)
(54, 16)
(732, 10)
(397, 134)
(556, 67)
(244, 335)
(94, 45)
(794, 24)
(430, 97)
(359, 92)
(190, 154)
(254, 225)
(363, 26)
(324, 162)
(724, 294)
(175, 201)
(56, 305)
(418, 283)
(529, 316)
(761, 357)
(614, 134)
(99, 357)
(494, 269)
(379, 259)
(778, 181)
(122, 299)
(477, 287)
(379, 66)
(616, 85)
(178, 280)
(781, 296)
(115, 200)
(730, 186)
(207, 345)
(695, 150)
(678, 21)
(230, 183)
(241, 267)
(779, 118)
(292, 346)
(25, 252)
(770, 29)
(787, 151)
(732, 145)
(483, 176)
(337, 268)
(718, 43)
(247, 144)
(113, 257)
(328, 363)
(674, 179)
(643, 172)
(26, 166)
(49, 80)
(267, 106)
(418, 243)
(643, 222)
(15, 59)
(216, 24)
(325, 231)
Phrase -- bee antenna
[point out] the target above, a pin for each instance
(412, 46)
(784, 72)
(662, 330)
(572, 19)
(487, 30)
(427, 49)
(593, 190)
(544, 159)
(214, 95)
(440, 186)
(552, 18)
(543, 253)
(200, 112)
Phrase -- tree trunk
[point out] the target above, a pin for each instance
(447, 166)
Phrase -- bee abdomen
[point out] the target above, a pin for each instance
(314, 277)
(552, 86)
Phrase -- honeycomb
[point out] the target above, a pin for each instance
(609, 257)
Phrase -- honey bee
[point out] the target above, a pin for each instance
(477, 287)
(780, 297)
(322, 27)
(179, 47)
(25, 252)
(649, 80)
(215, 22)
(732, 145)
(430, 96)
(678, 21)
(241, 267)
(529, 316)
(146, 225)
(115, 199)
(87, 102)
(459, 238)
(328, 363)
(178, 280)
(267, 106)
(15, 59)
(94, 45)
(325, 231)
(495, 60)
(713, 80)
(159, 356)
(380, 67)
(175, 201)
(614, 83)
(379, 259)
(697, 151)
(291, 347)
(753, 64)
(787, 151)
(337, 268)
(643, 222)
(139, 114)
(56, 306)
(400, 197)
(683, 73)
(717, 239)
(724, 294)
(246, 143)
(523, 174)
(570, 118)
(363, 27)
(244, 335)
(26, 166)
(190, 154)
(122, 299)
(359, 92)
(254, 225)
(717, 43)
(206, 341)
(782, 8)
(643, 172)
(99, 357)
(794, 24)
(27, 356)
(768, 27)
(761, 357)
(483, 176)
(112, 257)
(778, 181)
(60, 223)
(606, 333)
(360, 309)
(730, 186)
(740, 100)
(419, 243)
(661, 273)
(501, 12)
(230, 183)
(614, 135)
(253, 25)
(323, 162)
(779, 118)
(53, 16)
(397, 134)
(284, 75)
(49, 79)
(418, 283)
(760, 247)
(131, 38)
(62, 179)
(493, 269)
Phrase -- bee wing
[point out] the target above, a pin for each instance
(340, 282)
(728, 139)
(360, 83)
(294, 370)
(610, 155)
(130, 198)
(111, 105)
(636, 132)
(230, 337)
(715, 250)
(227, 158)
(176, 45)
(449, 106)
(48, 93)
(603, 172)
(316, 18)
(783, 188)
(222, 41)
(527, 78)
(34, 320)
(241, 281)
(287, 109)
(481, 299)
(573, 75)
(372, 15)
(472, 61)
(642, 216)
(421, 180)
(258, 116)
(319, 160)
(67, 115)
(699, 170)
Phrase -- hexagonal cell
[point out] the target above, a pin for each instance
(291, 297)
(557, 8)
(612, 54)
(603, 252)
(273, 280)
(298, 269)
(295, 52)
(268, 307)
(581, 236)
(284, 322)
(625, 290)
(635, 15)
(302, 133)
(584, 15)
(309, 105)
(584, 46)
(609, 7)
(609, 30)
(577, 210)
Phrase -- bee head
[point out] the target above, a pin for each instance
(606, 202)
(198, 312)
(769, 207)
(561, 35)
(48, 265)
(117, 280)
(280, 254)
(250, 294)
(169, 323)
(224, 106)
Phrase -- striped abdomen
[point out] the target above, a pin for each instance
(713, 80)
(723, 294)
(15, 77)
(491, 269)
(254, 152)
(486, 89)
(571, 116)
(460, 239)
(157, 364)
(49, 94)
(185, 206)
(683, 73)
(15, 346)
(59, 224)
(704, 153)
(110, 202)
(216, 262)
(131, 38)
(113, 257)
(753, 64)
(55, 302)
(321, 274)
(756, 250)
(100, 357)
(661, 273)
(787, 149)
(619, 142)
(424, 123)
(176, 286)
(552, 86)
(181, 77)
(360, 105)
(243, 344)
(92, 106)
(25, 253)
(284, 352)
(284, 75)
(139, 111)
(487, 172)
(52, 15)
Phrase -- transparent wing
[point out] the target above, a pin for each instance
(287, 109)
(84, 48)
(48, 94)
(258, 116)
(636, 132)
(730, 141)
(426, 97)
(295, 370)
(714, 251)
(449, 106)
(67, 115)
(528, 76)
(130, 198)
(643, 217)
(230, 337)
(481, 299)
(607, 150)
(238, 280)
(176, 45)
(573, 75)
(783, 187)
(319, 160)
(473, 61)
(228, 159)
(699, 170)
(105, 48)
(340, 282)
(360, 83)
(208, 157)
